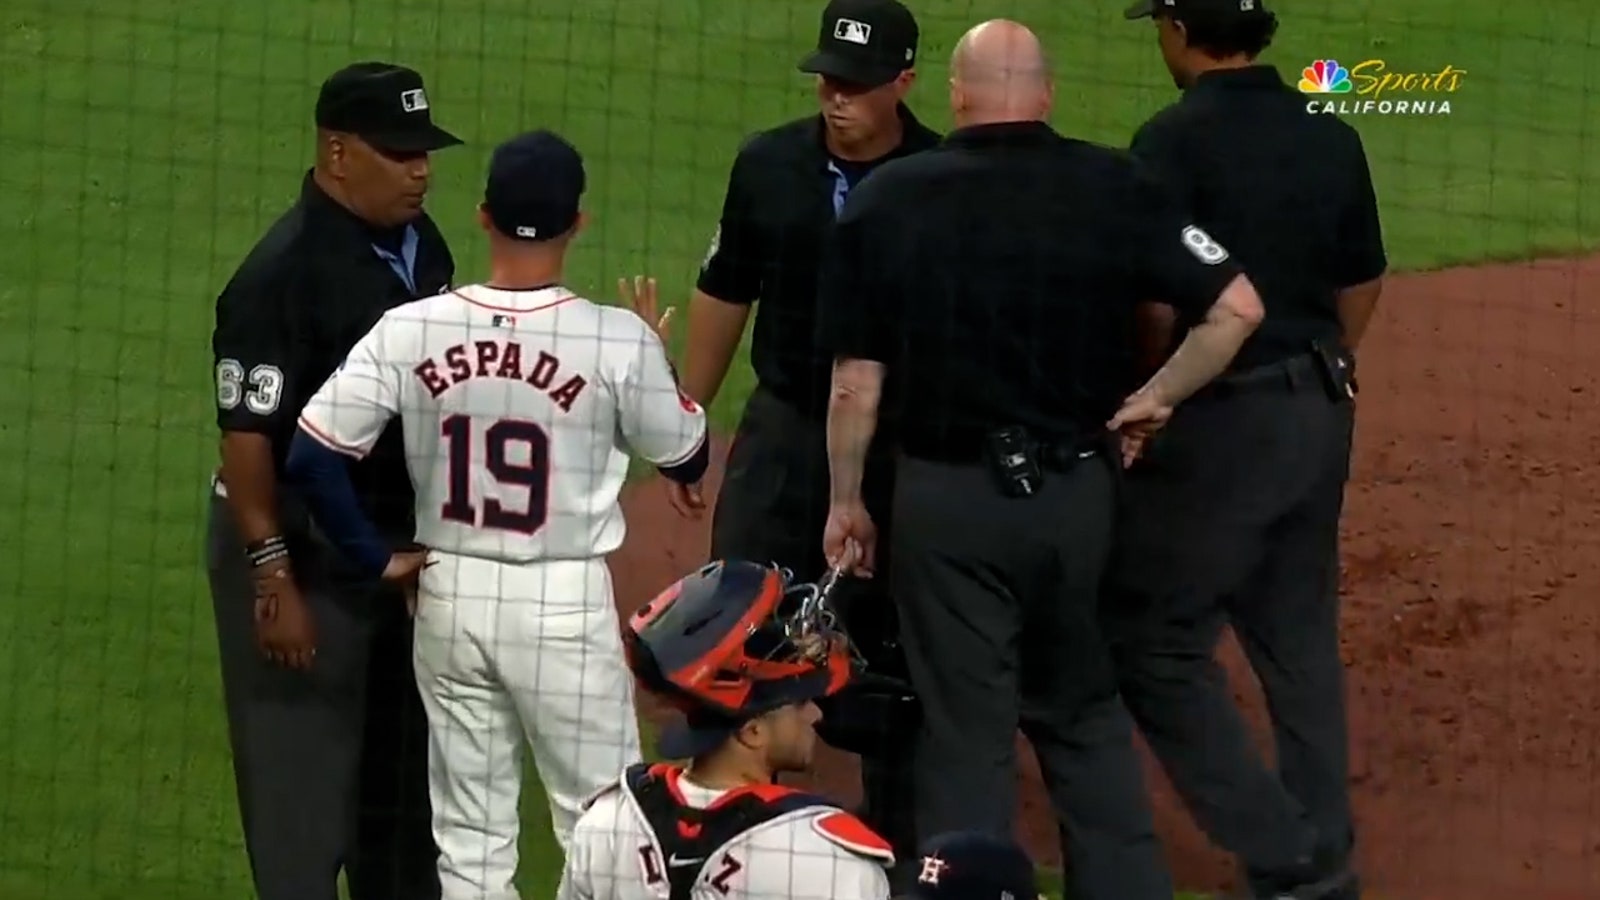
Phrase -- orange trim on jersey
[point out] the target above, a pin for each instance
(327, 440)
(851, 833)
(670, 774)
(766, 793)
(513, 309)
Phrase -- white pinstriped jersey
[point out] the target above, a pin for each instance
(519, 409)
(817, 853)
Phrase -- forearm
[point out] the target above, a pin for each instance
(715, 329)
(1356, 305)
(852, 420)
(250, 478)
(1209, 346)
(321, 475)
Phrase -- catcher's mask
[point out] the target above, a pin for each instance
(734, 640)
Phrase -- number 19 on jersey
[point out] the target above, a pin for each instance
(514, 467)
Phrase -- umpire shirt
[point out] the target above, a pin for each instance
(783, 194)
(309, 290)
(1288, 192)
(998, 275)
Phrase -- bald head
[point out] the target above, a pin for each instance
(998, 73)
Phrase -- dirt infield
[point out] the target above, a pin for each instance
(1472, 595)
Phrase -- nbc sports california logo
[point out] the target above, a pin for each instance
(1370, 86)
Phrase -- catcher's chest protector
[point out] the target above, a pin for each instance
(691, 837)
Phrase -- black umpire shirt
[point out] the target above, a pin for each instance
(998, 275)
(781, 200)
(309, 290)
(1287, 191)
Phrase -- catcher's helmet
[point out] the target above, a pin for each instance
(729, 642)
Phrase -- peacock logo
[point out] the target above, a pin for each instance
(1325, 76)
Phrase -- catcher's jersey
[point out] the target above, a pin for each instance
(518, 409)
(658, 836)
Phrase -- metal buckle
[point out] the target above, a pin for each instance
(814, 626)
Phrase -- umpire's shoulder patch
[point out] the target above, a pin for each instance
(847, 831)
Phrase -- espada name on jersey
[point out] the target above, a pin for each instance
(500, 359)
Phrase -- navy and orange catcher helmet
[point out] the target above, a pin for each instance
(733, 640)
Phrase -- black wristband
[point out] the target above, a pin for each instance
(267, 550)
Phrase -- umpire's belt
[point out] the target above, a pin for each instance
(1297, 373)
(968, 447)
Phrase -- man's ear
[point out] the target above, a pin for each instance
(336, 152)
(484, 221)
(904, 81)
(753, 734)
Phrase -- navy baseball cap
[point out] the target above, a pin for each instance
(1214, 10)
(535, 182)
(865, 42)
(972, 865)
(383, 104)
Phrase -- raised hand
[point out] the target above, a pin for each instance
(642, 298)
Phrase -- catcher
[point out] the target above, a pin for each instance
(745, 654)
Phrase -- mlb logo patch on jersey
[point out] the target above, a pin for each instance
(500, 321)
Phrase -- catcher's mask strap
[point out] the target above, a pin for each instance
(812, 628)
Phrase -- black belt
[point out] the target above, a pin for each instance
(961, 448)
(1297, 373)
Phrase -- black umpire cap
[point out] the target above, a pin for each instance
(535, 182)
(865, 42)
(971, 865)
(1211, 10)
(383, 104)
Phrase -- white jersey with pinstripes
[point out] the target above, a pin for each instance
(519, 410)
(818, 853)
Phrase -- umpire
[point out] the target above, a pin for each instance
(328, 734)
(1232, 517)
(997, 276)
(786, 186)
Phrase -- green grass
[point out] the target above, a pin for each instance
(146, 145)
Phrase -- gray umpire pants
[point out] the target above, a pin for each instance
(997, 602)
(1233, 518)
(330, 765)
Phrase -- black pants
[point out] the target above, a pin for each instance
(997, 602)
(331, 764)
(1233, 518)
(771, 508)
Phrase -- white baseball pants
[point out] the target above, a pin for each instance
(508, 657)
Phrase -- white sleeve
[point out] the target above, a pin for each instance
(859, 878)
(350, 410)
(659, 422)
(575, 884)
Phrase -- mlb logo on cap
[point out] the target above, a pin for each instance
(852, 31)
(867, 43)
(413, 100)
